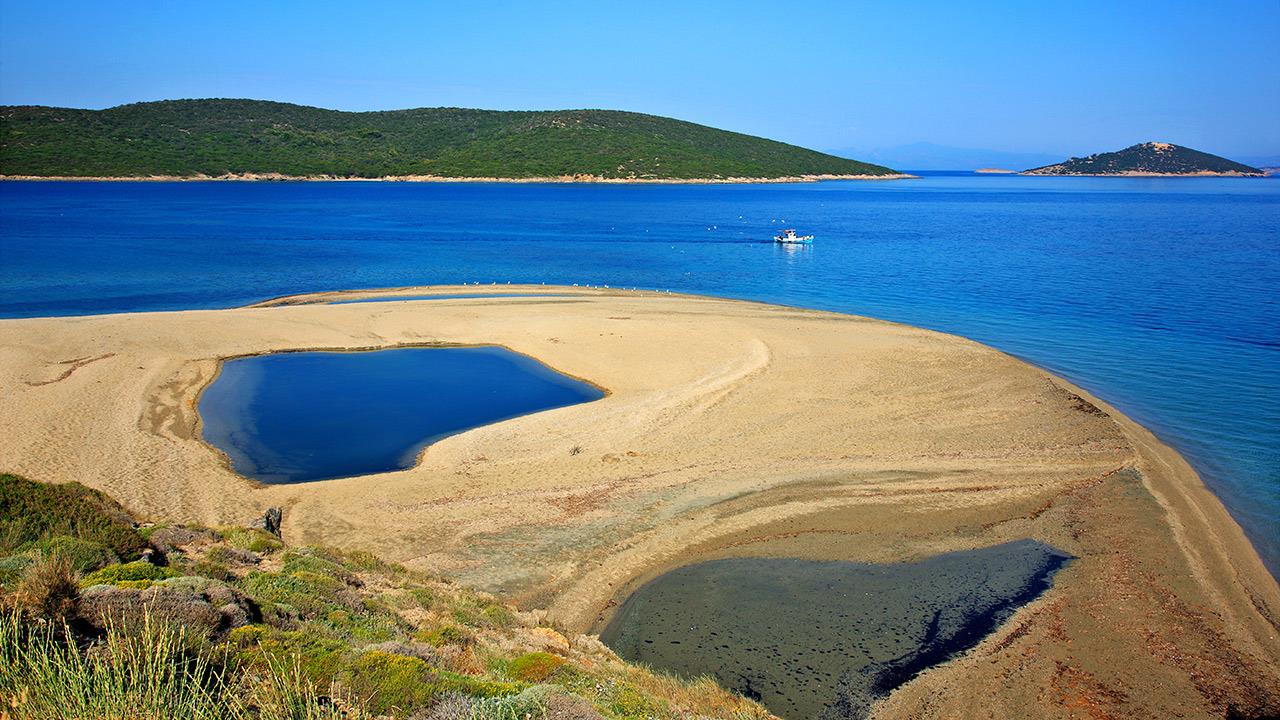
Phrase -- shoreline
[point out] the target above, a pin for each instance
(778, 431)
(556, 179)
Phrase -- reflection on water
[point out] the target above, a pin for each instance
(824, 639)
(294, 417)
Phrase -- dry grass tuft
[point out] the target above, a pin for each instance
(49, 589)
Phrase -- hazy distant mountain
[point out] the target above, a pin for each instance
(928, 156)
(1150, 158)
(1260, 161)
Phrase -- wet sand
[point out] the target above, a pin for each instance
(731, 429)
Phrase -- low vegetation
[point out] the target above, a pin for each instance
(218, 137)
(192, 622)
(1151, 157)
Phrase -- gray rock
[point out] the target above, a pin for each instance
(270, 521)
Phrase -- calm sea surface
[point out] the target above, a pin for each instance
(1160, 295)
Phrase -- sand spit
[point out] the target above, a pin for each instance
(731, 429)
(261, 177)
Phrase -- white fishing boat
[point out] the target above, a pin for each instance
(789, 237)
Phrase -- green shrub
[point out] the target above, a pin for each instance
(310, 594)
(362, 628)
(220, 554)
(146, 532)
(288, 694)
(128, 575)
(480, 612)
(32, 511)
(251, 539)
(322, 603)
(424, 597)
(359, 627)
(446, 634)
(534, 666)
(368, 562)
(84, 555)
(301, 562)
(131, 584)
(388, 682)
(247, 636)
(211, 570)
(616, 697)
(530, 704)
(12, 569)
(316, 658)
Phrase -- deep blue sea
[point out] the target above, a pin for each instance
(1158, 294)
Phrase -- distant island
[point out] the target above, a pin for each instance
(995, 171)
(1150, 159)
(252, 139)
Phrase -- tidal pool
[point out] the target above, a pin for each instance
(300, 416)
(823, 640)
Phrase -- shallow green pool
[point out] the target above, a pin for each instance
(824, 639)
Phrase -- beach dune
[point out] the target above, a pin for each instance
(729, 429)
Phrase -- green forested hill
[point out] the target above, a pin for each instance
(1155, 158)
(216, 137)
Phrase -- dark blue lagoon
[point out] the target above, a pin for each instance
(1157, 294)
(294, 417)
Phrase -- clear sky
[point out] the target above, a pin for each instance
(1026, 76)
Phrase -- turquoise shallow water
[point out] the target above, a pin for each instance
(1157, 294)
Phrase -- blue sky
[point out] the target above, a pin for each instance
(1065, 78)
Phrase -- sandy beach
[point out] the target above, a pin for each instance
(729, 429)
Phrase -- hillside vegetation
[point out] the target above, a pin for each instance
(102, 619)
(219, 137)
(1152, 158)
